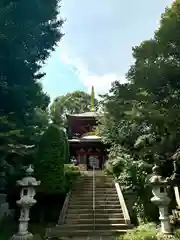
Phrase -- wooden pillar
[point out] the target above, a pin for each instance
(78, 158)
(81, 154)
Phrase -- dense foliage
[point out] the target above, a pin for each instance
(146, 232)
(29, 32)
(49, 163)
(143, 232)
(141, 118)
(71, 103)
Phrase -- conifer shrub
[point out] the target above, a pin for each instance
(49, 164)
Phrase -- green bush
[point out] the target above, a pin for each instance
(114, 167)
(49, 164)
(143, 232)
(72, 173)
(146, 232)
(133, 175)
(177, 233)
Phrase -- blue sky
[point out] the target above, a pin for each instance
(98, 41)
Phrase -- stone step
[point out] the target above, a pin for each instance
(89, 189)
(88, 238)
(97, 206)
(91, 215)
(98, 182)
(90, 179)
(97, 198)
(87, 186)
(56, 232)
(100, 178)
(90, 185)
(90, 193)
(78, 211)
(100, 190)
(91, 226)
(90, 201)
(80, 218)
(97, 221)
(103, 196)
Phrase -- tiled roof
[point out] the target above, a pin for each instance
(86, 114)
(78, 140)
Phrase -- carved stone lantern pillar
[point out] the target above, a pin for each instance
(26, 201)
(161, 199)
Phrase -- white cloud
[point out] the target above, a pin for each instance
(99, 35)
(101, 83)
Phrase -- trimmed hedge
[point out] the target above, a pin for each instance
(49, 164)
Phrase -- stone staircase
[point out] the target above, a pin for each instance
(81, 222)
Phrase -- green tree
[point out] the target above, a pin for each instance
(49, 163)
(155, 75)
(29, 32)
(142, 116)
(71, 103)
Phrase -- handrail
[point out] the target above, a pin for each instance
(177, 195)
(94, 200)
(123, 204)
(64, 209)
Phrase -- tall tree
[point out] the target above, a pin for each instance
(71, 103)
(145, 111)
(142, 117)
(29, 31)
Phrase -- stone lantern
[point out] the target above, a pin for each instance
(161, 199)
(26, 201)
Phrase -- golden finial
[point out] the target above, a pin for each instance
(92, 99)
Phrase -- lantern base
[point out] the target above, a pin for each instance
(26, 236)
(161, 236)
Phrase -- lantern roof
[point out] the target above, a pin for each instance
(28, 181)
